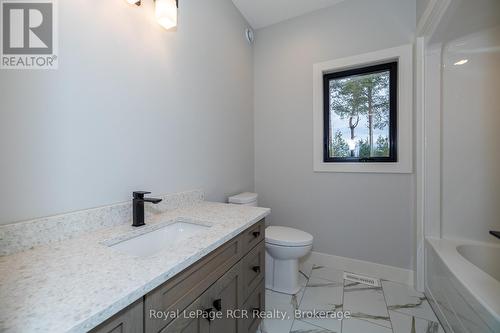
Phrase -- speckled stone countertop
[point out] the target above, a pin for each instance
(73, 285)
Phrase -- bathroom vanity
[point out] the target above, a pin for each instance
(91, 271)
(229, 278)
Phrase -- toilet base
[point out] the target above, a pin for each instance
(282, 275)
(269, 271)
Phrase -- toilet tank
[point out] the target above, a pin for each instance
(245, 198)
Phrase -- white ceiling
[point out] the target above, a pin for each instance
(261, 13)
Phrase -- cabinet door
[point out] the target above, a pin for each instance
(225, 296)
(226, 293)
(129, 320)
(255, 302)
(186, 324)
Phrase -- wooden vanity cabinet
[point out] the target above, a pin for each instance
(225, 294)
(129, 320)
(229, 278)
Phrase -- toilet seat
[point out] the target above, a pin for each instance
(290, 237)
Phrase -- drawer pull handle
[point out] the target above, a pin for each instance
(256, 269)
(217, 304)
(256, 234)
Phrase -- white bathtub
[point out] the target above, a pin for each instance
(486, 258)
(462, 283)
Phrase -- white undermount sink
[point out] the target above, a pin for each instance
(152, 242)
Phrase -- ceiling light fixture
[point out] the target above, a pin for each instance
(134, 2)
(461, 62)
(165, 11)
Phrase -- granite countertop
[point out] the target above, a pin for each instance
(75, 284)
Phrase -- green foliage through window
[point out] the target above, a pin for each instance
(358, 112)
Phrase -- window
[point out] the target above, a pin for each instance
(360, 111)
(396, 132)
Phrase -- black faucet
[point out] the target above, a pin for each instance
(495, 233)
(138, 207)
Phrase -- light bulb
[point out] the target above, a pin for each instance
(461, 62)
(166, 13)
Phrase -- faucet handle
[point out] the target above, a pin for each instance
(140, 194)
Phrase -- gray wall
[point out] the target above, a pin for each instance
(130, 107)
(363, 216)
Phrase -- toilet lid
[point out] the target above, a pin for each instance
(285, 236)
(243, 198)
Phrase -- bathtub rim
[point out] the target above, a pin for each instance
(478, 283)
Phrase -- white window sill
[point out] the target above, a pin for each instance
(368, 167)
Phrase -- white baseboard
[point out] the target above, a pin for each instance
(371, 269)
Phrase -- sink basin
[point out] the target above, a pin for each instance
(152, 242)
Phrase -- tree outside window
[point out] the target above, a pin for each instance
(360, 114)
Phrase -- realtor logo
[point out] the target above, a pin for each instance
(29, 34)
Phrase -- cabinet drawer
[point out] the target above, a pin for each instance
(129, 320)
(253, 267)
(184, 288)
(253, 235)
(255, 302)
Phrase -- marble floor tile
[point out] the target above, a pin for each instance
(402, 323)
(303, 327)
(366, 302)
(324, 296)
(405, 299)
(327, 273)
(284, 303)
(392, 308)
(354, 325)
(306, 268)
(303, 279)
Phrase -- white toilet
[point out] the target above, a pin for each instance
(284, 247)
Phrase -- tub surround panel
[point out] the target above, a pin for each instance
(471, 186)
(75, 284)
(25, 235)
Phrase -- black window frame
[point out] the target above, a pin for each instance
(392, 67)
